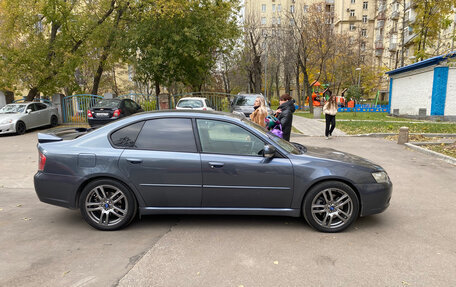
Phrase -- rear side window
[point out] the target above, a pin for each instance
(167, 135)
(126, 136)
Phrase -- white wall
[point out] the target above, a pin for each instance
(412, 91)
(2, 99)
(450, 103)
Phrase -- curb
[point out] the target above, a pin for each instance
(443, 157)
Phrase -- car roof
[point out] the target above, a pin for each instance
(193, 98)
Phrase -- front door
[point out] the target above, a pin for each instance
(235, 174)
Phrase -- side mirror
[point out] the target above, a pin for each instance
(29, 111)
(269, 151)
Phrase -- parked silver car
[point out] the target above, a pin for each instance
(20, 117)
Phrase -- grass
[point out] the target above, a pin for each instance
(449, 150)
(365, 123)
(386, 127)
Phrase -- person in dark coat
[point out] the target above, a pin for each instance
(284, 114)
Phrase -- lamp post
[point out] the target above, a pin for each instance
(359, 76)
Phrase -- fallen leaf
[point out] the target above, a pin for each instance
(19, 205)
(65, 273)
(1, 209)
(276, 262)
(26, 218)
(241, 286)
(197, 273)
(405, 283)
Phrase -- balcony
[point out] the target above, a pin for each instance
(329, 1)
(378, 52)
(380, 24)
(392, 47)
(393, 30)
(381, 16)
(379, 45)
(395, 15)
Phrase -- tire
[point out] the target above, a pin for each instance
(331, 206)
(107, 204)
(20, 128)
(54, 121)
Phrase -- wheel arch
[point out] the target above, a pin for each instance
(323, 180)
(101, 177)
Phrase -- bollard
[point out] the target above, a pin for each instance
(403, 135)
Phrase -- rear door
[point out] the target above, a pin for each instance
(164, 163)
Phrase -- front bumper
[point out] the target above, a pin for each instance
(7, 128)
(375, 197)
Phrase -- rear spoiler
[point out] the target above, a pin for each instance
(46, 138)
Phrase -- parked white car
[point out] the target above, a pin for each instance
(194, 104)
(20, 117)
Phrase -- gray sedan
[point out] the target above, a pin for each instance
(184, 162)
(20, 117)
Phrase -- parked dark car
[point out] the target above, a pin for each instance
(108, 110)
(190, 162)
(243, 103)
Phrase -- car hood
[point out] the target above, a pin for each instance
(332, 154)
(244, 109)
(13, 117)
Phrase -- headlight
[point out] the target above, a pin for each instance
(7, 121)
(381, 177)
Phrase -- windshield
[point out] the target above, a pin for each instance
(244, 101)
(107, 104)
(13, 108)
(190, 104)
(281, 142)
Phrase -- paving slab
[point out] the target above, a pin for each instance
(313, 127)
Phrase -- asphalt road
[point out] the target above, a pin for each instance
(411, 244)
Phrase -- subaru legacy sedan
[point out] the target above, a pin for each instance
(190, 162)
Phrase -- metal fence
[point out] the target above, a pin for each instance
(74, 108)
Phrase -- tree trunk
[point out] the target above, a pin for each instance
(157, 92)
(33, 93)
(298, 86)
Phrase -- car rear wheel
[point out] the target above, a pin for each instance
(331, 206)
(20, 128)
(54, 121)
(107, 204)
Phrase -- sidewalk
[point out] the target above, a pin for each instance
(313, 127)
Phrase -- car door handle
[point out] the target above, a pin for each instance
(134, 160)
(216, 164)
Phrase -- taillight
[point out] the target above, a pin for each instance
(116, 113)
(41, 161)
(89, 114)
(204, 109)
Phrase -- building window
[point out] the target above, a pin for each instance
(353, 1)
(352, 13)
(352, 27)
(363, 46)
(263, 8)
(263, 20)
(365, 6)
(279, 7)
(292, 22)
(364, 32)
(306, 8)
(273, 8)
(292, 7)
(274, 21)
(364, 18)
(278, 20)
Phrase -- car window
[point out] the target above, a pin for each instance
(126, 136)
(40, 106)
(227, 138)
(169, 134)
(31, 107)
(107, 104)
(207, 103)
(245, 101)
(129, 105)
(190, 104)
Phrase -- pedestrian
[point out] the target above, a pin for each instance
(284, 114)
(330, 111)
(260, 112)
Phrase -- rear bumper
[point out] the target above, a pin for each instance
(375, 198)
(55, 189)
(100, 122)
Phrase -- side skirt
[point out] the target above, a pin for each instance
(214, 210)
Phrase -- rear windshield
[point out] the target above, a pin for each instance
(190, 104)
(244, 101)
(107, 104)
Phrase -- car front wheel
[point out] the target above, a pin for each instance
(107, 204)
(331, 206)
(20, 128)
(54, 121)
